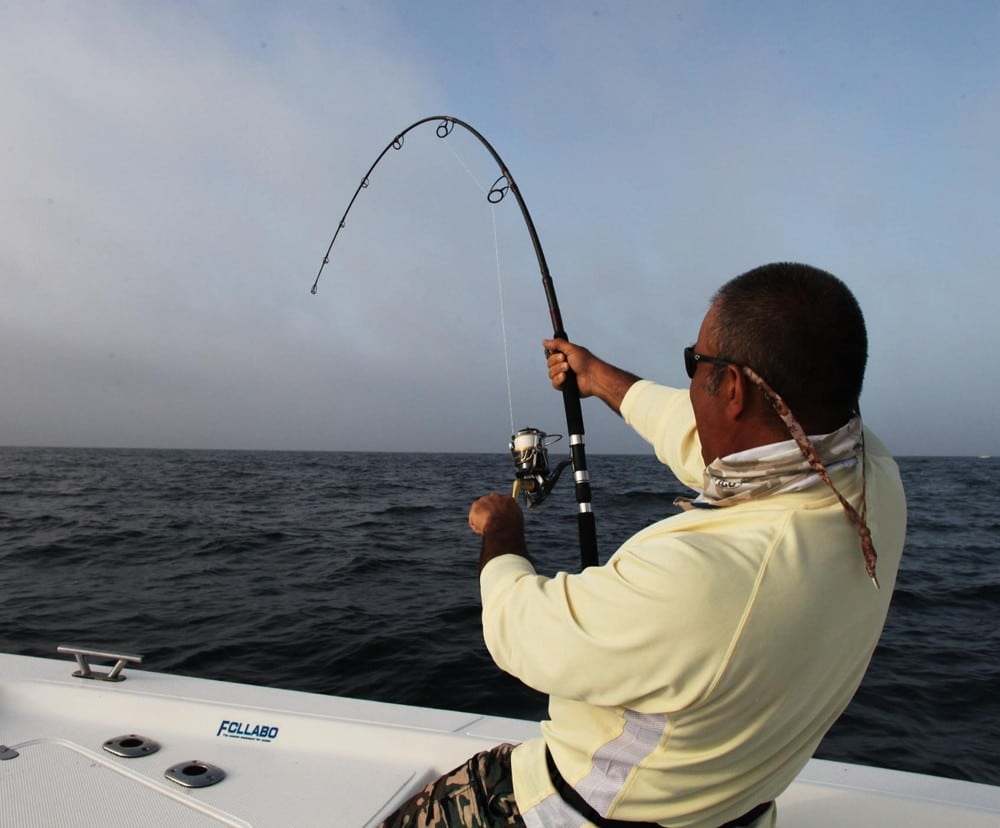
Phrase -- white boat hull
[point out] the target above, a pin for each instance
(294, 760)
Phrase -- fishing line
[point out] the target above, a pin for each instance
(503, 320)
(465, 167)
(496, 250)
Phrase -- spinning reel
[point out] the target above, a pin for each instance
(532, 478)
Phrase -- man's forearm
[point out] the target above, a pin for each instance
(611, 384)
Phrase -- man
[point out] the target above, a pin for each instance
(693, 675)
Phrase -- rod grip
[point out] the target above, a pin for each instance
(586, 523)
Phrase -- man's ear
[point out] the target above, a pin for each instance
(736, 390)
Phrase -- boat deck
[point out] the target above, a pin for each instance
(283, 758)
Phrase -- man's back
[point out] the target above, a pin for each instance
(694, 674)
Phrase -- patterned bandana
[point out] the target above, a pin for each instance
(779, 468)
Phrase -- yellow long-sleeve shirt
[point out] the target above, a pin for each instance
(692, 676)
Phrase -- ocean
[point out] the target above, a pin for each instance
(355, 574)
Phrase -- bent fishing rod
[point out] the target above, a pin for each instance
(528, 447)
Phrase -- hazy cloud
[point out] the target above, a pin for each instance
(172, 176)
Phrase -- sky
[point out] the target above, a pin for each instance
(172, 174)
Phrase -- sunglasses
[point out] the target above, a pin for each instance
(692, 358)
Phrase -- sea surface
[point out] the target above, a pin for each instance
(355, 574)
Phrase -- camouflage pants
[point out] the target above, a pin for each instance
(477, 794)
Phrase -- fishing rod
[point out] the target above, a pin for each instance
(528, 446)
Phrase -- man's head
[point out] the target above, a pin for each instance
(798, 327)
